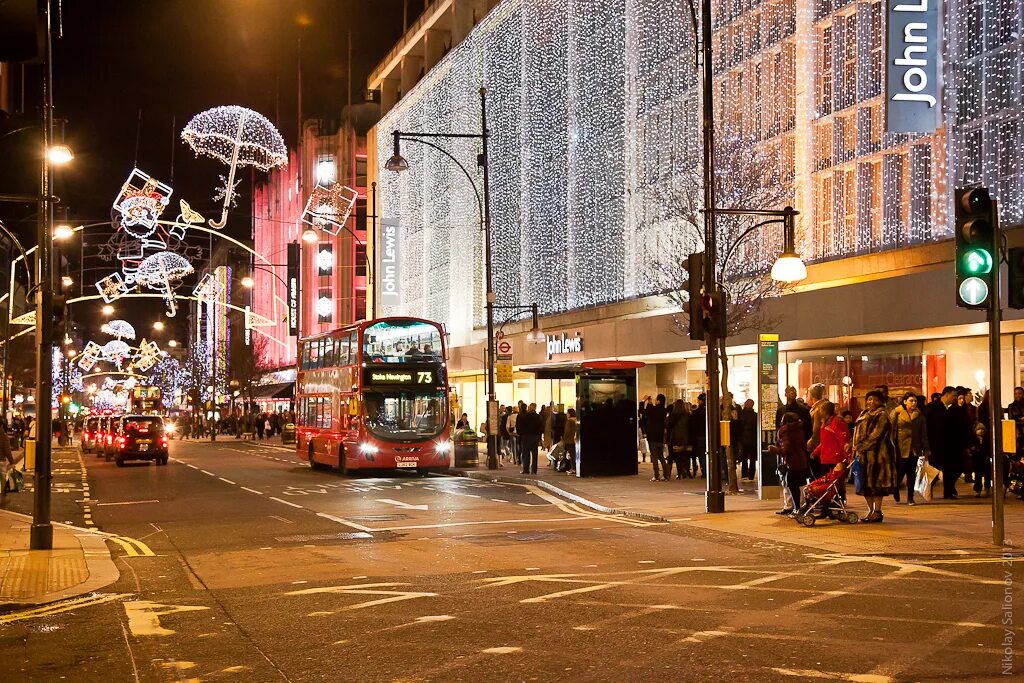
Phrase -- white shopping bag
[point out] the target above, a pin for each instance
(926, 478)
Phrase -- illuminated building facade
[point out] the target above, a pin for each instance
(333, 270)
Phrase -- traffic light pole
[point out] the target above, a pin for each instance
(41, 532)
(995, 379)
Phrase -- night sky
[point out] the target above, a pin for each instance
(166, 60)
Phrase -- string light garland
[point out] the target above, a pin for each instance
(593, 109)
(120, 329)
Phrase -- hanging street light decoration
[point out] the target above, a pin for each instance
(328, 209)
(90, 356)
(119, 329)
(238, 137)
(163, 271)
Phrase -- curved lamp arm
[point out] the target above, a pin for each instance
(411, 138)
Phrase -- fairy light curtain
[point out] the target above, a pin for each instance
(594, 109)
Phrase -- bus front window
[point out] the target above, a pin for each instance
(402, 414)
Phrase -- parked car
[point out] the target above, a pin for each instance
(90, 434)
(139, 437)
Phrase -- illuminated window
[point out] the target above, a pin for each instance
(325, 259)
(326, 170)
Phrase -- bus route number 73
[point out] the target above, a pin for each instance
(424, 377)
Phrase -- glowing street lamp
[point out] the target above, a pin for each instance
(66, 281)
(107, 310)
(309, 236)
(158, 325)
(248, 282)
(60, 155)
(172, 343)
(63, 232)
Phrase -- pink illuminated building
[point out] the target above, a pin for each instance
(333, 269)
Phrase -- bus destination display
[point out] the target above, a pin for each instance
(400, 376)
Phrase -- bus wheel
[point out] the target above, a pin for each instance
(313, 464)
(422, 471)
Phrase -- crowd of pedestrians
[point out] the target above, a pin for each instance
(258, 425)
(524, 432)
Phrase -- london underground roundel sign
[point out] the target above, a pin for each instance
(973, 291)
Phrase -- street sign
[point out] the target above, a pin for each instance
(504, 348)
(503, 373)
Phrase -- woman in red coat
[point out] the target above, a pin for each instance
(834, 443)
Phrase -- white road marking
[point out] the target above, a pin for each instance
(501, 650)
(339, 520)
(128, 502)
(209, 473)
(364, 589)
(404, 506)
(833, 675)
(246, 488)
(227, 480)
(286, 502)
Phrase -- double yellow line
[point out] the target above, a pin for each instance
(133, 547)
(62, 606)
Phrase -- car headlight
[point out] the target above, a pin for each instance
(443, 446)
(368, 448)
(170, 427)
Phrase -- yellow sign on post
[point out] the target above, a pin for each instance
(503, 372)
(1009, 436)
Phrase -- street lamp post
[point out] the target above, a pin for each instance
(398, 163)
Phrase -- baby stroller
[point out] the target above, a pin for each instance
(1015, 476)
(820, 498)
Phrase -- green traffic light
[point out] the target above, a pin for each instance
(978, 262)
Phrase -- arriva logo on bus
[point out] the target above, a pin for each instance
(564, 344)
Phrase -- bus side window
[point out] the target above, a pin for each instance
(343, 351)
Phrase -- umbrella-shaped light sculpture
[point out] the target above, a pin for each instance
(163, 272)
(119, 329)
(238, 137)
(116, 352)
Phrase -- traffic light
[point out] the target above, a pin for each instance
(695, 288)
(976, 258)
(60, 323)
(715, 314)
(1015, 277)
(65, 399)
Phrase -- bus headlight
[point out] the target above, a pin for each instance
(368, 448)
(443, 446)
(170, 427)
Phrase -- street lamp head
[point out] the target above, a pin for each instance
(172, 343)
(309, 236)
(248, 282)
(107, 310)
(158, 325)
(63, 232)
(397, 163)
(536, 336)
(72, 353)
(60, 155)
(66, 281)
(788, 268)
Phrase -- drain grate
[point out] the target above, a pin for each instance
(305, 538)
(379, 518)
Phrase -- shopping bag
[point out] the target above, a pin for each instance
(644, 447)
(858, 477)
(926, 476)
(14, 482)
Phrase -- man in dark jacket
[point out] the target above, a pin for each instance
(655, 416)
(945, 422)
(748, 440)
(1015, 412)
(793, 405)
(530, 428)
(699, 434)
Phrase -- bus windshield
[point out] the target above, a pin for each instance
(402, 341)
(405, 414)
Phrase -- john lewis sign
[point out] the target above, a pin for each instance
(559, 344)
(389, 264)
(912, 66)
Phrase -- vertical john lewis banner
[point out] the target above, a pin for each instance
(294, 263)
(389, 263)
(912, 103)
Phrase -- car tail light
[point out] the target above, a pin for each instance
(120, 442)
(163, 441)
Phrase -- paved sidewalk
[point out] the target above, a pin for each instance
(79, 563)
(937, 527)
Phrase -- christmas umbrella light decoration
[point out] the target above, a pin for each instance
(163, 271)
(116, 352)
(120, 329)
(236, 136)
(328, 209)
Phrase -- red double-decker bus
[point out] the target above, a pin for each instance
(374, 395)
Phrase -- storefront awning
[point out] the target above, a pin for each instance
(281, 390)
(570, 370)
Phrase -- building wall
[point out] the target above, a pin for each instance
(593, 112)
